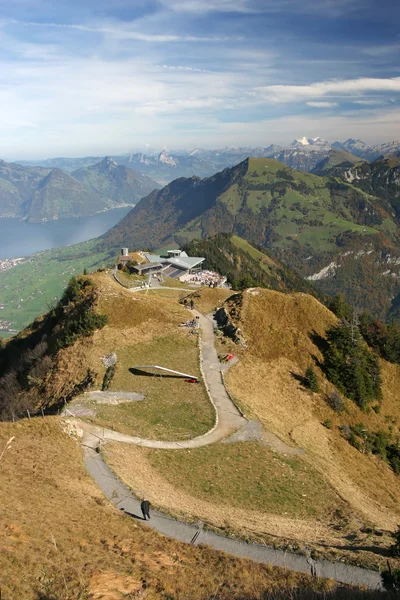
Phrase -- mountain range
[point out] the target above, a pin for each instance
(39, 194)
(339, 236)
(303, 153)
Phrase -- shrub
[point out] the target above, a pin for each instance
(335, 401)
(384, 338)
(311, 379)
(377, 442)
(341, 308)
(345, 431)
(391, 579)
(327, 424)
(395, 547)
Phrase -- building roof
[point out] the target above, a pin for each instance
(145, 267)
(180, 262)
(186, 262)
(154, 258)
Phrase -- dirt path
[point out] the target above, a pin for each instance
(123, 499)
(228, 419)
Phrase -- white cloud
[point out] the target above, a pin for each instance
(383, 50)
(181, 104)
(205, 6)
(184, 68)
(322, 104)
(371, 102)
(338, 87)
(126, 32)
(329, 8)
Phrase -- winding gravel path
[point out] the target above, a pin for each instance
(228, 420)
(227, 417)
(123, 498)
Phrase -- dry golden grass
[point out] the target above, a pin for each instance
(61, 539)
(277, 329)
(172, 409)
(207, 299)
(132, 318)
(182, 482)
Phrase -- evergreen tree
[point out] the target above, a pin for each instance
(311, 379)
(350, 365)
(341, 308)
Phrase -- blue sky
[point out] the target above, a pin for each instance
(96, 77)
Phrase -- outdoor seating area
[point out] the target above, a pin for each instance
(206, 278)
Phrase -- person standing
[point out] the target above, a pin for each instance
(145, 508)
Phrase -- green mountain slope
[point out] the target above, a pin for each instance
(60, 196)
(28, 289)
(114, 182)
(260, 199)
(307, 220)
(336, 159)
(37, 194)
(16, 185)
(381, 178)
(246, 266)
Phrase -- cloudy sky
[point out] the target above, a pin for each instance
(100, 77)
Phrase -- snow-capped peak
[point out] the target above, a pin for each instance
(165, 158)
(302, 141)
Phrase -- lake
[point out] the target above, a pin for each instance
(18, 238)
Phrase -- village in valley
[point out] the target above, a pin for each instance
(9, 263)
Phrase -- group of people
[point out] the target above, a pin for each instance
(209, 278)
(187, 304)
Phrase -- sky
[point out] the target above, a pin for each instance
(96, 77)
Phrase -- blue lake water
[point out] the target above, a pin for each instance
(18, 238)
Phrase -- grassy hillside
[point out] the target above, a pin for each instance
(28, 289)
(298, 483)
(336, 159)
(307, 221)
(82, 547)
(262, 200)
(247, 266)
(306, 485)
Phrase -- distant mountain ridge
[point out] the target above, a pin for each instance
(379, 178)
(164, 166)
(115, 182)
(38, 194)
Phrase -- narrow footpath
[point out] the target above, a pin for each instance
(227, 417)
(228, 420)
(123, 499)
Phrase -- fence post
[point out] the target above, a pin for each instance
(29, 414)
(41, 408)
